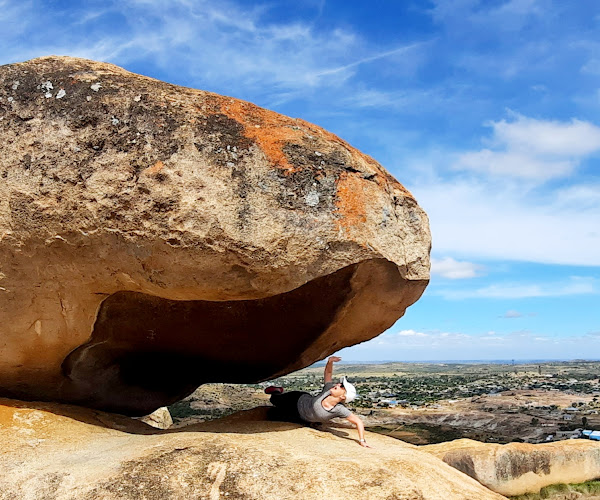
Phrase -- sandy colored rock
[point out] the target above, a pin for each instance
(61, 452)
(144, 224)
(159, 418)
(518, 468)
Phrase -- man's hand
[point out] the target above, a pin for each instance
(329, 368)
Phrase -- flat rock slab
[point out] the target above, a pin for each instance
(59, 452)
(155, 237)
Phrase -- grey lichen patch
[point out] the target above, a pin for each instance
(313, 184)
(312, 198)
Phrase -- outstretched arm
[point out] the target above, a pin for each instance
(355, 419)
(327, 376)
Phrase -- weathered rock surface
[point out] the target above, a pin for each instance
(54, 451)
(144, 224)
(159, 418)
(518, 468)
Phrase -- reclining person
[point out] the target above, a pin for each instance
(328, 404)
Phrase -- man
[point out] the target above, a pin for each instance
(328, 404)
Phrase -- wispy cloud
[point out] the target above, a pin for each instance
(225, 46)
(375, 57)
(495, 18)
(574, 286)
(511, 314)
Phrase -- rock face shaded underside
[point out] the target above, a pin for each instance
(154, 237)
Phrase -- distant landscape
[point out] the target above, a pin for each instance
(424, 403)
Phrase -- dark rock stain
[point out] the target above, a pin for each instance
(461, 461)
(514, 464)
(121, 124)
(312, 184)
(25, 214)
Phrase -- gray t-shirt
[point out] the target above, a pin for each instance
(311, 408)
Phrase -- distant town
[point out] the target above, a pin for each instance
(432, 402)
(560, 400)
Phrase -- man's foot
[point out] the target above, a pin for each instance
(273, 389)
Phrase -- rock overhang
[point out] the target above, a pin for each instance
(128, 204)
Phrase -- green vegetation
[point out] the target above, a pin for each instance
(510, 402)
(422, 383)
(560, 491)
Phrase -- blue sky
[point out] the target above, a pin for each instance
(488, 111)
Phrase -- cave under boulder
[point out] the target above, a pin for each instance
(156, 237)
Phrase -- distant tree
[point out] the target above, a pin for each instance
(535, 421)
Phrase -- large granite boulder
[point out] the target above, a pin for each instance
(146, 225)
(520, 468)
(54, 451)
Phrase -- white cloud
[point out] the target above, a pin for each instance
(513, 164)
(507, 221)
(574, 286)
(574, 138)
(512, 314)
(533, 149)
(453, 269)
(410, 333)
(412, 339)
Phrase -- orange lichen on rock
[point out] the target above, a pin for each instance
(350, 201)
(268, 129)
(154, 169)
(272, 131)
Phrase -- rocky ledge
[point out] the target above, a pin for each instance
(518, 468)
(59, 452)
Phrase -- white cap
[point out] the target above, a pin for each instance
(350, 390)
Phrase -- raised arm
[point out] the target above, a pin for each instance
(355, 419)
(327, 376)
